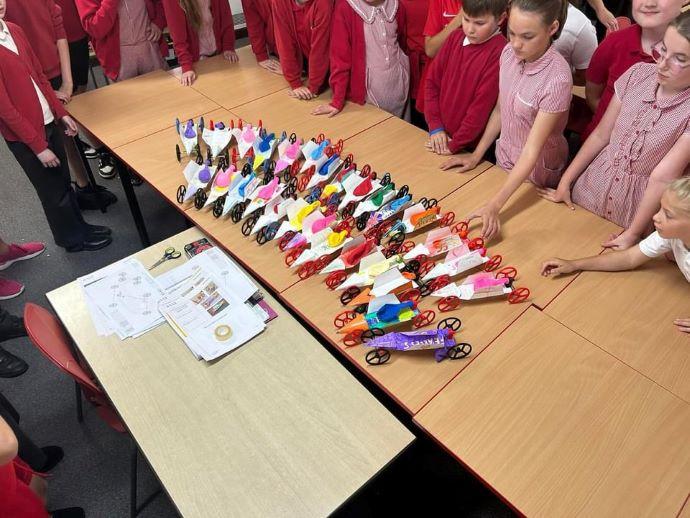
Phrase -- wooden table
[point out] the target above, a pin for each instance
(397, 147)
(630, 315)
(127, 111)
(280, 112)
(559, 427)
(276, 427)
(232, 84)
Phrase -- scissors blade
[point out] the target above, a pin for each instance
(159, 262)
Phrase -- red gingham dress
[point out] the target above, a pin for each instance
(525, 89)
(646, 129)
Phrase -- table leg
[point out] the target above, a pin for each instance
(126, 179)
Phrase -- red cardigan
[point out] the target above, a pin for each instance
(348, 53)
(318, 15)
(186, 39)
(462, 88)
(257, 14)
(21, 116)
(71, 21)
(42, 22)
(100, 20)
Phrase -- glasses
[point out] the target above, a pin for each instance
(659, 54)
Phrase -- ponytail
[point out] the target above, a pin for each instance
(549, 10)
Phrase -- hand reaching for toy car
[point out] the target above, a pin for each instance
(326, 109)
(303, 93)
(272, 65)
(559, 195)
(438, 143)
(464, 162)
(231, 56)
(188, 78)
(491, 224)
(557, 266)
(682, 324)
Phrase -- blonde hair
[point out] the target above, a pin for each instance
(681, 188)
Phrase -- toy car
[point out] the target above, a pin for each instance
(217, 138)
(198, 178)
(481, 285)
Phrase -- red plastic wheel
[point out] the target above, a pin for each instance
(439, 282)
(322, 262)
(294, 168)
(424, 318)
(366, 170)
(335, 279)
(285, 240)
(292, 256)
(493, 263)
(240, 123)
(346, 224)
(447, 219)
(353, 338)
(261, 124)
(509, 272)
(476, 243)
(518, 295)
(425, 268)
(461, 228)
(306, 270)
(338, 148)
(448, 304)
(320, 138)
(302, 182)
(411, 295)
(406, 247)
(373, 175)
(343, 318)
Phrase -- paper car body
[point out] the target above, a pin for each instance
(217, 137)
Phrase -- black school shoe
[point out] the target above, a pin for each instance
(106, 166)
(98, 230)
(68, 512)
(91, 243)
(94, 198)
(11, 366)
(10, 326)
(54, 455)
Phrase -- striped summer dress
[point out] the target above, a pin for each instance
(646, 129)
(525, 89)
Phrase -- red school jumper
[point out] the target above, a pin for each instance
(462, 88)
(186, 39)
(257, 14)
(100, 20)
(21, 115)
(348, 53)
(303, 31)
(416, 11)
(71, 21)
(42, 23)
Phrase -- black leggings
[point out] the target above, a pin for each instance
(28, 451)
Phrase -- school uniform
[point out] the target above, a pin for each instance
(656, 246)
(28, 111)
(78, 42)
(368, 63)
(646, 129)
(617, 53)
(118, 33)
(42, 23)
(188, 45)
(578, 39)
(257, 14)
(441, 13)
(462, 88)
(303, 33)
(415, 15)
(525, 89)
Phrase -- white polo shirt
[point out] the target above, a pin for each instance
(7, 41)
(655, 246)
(578, 39)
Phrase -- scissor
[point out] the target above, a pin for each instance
(169, 253)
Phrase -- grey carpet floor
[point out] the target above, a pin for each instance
(95, 471)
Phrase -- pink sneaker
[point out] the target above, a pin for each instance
(10, 289)
(21, 253)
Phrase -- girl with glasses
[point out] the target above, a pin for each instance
(640, 146)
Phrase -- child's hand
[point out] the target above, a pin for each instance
(456, 22)
(326, 109)
(188, 78)
(153, 33)
(557, 266)
(302, 93)
(626, 240)
(439, 143)
(683, 324)
(71, 128)
(560, 195)
(48, 158)
(491, 224)
(607, 19)
(63, 94)
(464, 162)
(231, 56)
(272, 65)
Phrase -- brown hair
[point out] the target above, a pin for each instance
(480, 7)
(681, 188)
(550, 11)
(191, 9)
(682, 24)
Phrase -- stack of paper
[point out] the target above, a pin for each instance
(122, 298)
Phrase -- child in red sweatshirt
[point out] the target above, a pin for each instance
(368, 63)
(78, 45)
(257, 14)
(462, 82)
(303, 30)
(415, 11)
(200, 29)
(29, 110)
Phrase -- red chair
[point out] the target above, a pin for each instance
(48, 335)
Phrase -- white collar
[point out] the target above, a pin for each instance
(4, 30)
(466, 41)
(367, 12)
